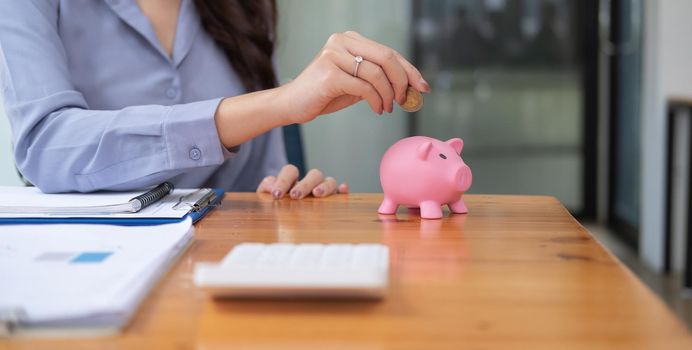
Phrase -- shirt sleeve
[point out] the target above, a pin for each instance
(61, 145)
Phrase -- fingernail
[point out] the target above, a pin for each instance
(318, 191)
(276, 194)
(295, 194)
(426, 86)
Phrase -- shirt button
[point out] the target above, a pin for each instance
(171, 92)
(195, 153)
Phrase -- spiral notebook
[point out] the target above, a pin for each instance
(81, 280)
(177, 205)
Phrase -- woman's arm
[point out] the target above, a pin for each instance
(257, 112)
(61, 145)
(326, 85)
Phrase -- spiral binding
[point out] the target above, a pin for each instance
(152, 196)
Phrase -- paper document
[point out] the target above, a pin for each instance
(74, 276)
(175, 205)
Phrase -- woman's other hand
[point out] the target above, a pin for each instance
(328, 83)
(286, 182)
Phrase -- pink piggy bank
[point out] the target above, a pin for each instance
(426, 173)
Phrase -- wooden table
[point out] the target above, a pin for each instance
(518, 272)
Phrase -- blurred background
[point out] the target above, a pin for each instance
(585, 100)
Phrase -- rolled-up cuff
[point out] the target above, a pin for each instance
(191, 137)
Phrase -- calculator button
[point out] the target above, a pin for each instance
(337, 256)
(275, 256)
(244, 255)
(306, 256)
(366, 255)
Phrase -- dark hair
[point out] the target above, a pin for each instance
(244, 30)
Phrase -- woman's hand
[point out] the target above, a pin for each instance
(287, 182)
(327, 84)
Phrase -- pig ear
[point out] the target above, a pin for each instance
(424, 149)
(457, 144)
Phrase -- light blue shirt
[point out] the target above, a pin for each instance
(94, 101)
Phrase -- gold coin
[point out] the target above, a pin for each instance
(414, 100)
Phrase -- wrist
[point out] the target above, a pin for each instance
(284, 102)
(241, 118)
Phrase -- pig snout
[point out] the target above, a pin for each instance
(463, 178)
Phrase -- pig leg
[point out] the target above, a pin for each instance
(430, 210)
(458, 207)
(387, 207)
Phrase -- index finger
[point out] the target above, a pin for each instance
(305, 186)
(284, 180)
(266, 185)
(414, 75)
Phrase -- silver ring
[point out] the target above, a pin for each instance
(359, 59)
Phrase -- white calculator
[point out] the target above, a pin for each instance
(306, 270)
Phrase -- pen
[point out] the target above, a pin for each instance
(133, 205)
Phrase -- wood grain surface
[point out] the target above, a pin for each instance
(517, 272)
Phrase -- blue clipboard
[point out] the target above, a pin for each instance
(195, 215)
